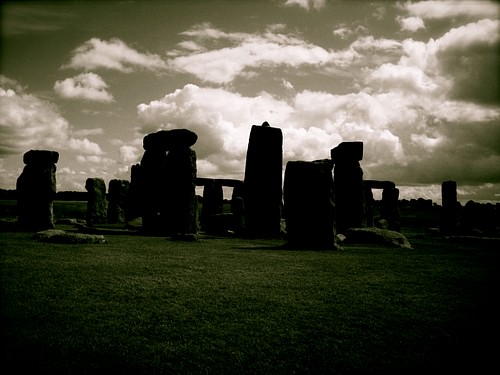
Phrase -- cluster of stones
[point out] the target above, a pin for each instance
(36, 190)
(162, 187)
(106, 208)
(213, 219)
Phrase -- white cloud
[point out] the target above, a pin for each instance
(410, 78)
(113, 54)
(408, 134)
(464, 61)
(84, 146)
(129, 154)
(452, 8)
(222, 57)
(87, 86)
(246, 51)
(410, 23)
(307, 4)
(29, 122)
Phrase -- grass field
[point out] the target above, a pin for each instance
(149, 305)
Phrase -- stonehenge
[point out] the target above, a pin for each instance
(315, 201)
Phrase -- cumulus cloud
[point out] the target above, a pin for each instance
(28, 122)
(221, 57)
(410, 23)
(452, 8)
(86, 86)
(113, 54)
(244, 51)
(464, 60)
(408, 135)
(306, 4)
(129, 154)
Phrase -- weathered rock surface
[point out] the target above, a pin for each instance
(117, 195)
(36, 190)
(349, 189)
(61, 236)
(97, 204)
(377, 236)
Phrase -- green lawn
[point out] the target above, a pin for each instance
(230, 306)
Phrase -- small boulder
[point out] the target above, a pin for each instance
(377, 236)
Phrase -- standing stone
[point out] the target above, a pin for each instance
(133, 201)
(168, 182)
(449, 210)
(309, 207)
(263, 182)
(117, 195)
(389, 209)
(97, 204)
(179, 206)
(36, 190)
(213, 203)
(369, 203)
(348, 181)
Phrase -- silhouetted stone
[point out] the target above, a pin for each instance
(41, 157)
(349, 190)
(449, 211)
(36, 190)
(369, 203)
(347, 152)
(168, 182)
(117, 194)
(165, 140)
(97, 204)
(389, 209)
(133, 201)
(309, 208)
(213, 203)
(263, 182)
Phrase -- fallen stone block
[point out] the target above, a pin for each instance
(61, 236)
(377, 236)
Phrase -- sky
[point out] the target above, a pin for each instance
(416, 81)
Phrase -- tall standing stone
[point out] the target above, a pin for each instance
(449, 210)
(263, 182)
(133, 201)
(97, 204)
(36, 190)
(213, 203)
(309, 207)
(389, 209)
(168, 182)
(117, 195)
(349, 190)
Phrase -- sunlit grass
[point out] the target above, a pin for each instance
(151, 305)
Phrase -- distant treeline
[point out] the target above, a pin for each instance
(60, 195)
